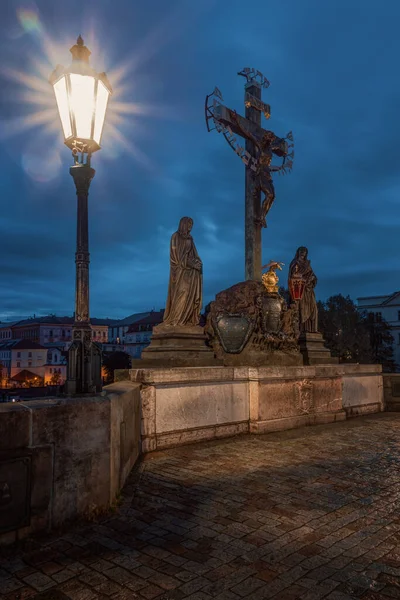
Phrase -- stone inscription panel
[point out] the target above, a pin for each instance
(15, 493)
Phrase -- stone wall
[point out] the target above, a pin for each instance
(391, 391)
(62, 458)
(185, 405)
(363, 389)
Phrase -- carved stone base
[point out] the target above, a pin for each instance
(314, 351)
(84, 363)
(252, 358)
(177, 346)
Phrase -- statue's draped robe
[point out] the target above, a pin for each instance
(185, 283)
(308, 303)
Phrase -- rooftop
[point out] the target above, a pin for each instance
(48, 320)
(131, 319)
(28, 345)
(152, 318)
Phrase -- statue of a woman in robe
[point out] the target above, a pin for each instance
(185, 280)
(308, 304)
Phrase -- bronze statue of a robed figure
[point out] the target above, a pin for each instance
(308, 304)
(180, 340)
(185, 290)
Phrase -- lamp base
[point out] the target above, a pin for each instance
(84, 364)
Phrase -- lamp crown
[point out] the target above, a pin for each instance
(79, 51)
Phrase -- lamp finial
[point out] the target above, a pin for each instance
(80, 52)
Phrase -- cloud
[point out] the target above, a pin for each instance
(332, 69)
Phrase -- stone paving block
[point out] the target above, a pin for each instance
(63, 575)
(10, 585)
(310, 513)
(248, 586)
(39, 581)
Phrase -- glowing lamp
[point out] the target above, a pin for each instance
(296, 285)
(82, 96)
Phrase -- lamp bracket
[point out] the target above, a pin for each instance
(81, 153)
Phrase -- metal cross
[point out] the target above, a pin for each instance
(260, 145)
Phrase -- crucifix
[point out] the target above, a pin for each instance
(260, 146)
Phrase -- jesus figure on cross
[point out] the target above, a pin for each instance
(265, 146)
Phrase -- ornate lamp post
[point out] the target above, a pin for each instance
(82, 96)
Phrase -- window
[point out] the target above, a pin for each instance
(18, 354)
(378, 316)
(29, 354)
(398, 338)
(63, 333)
(18, 365)
(29, 364)
(398, 315)
(51, 333)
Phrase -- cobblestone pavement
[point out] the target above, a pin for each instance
(311, 513)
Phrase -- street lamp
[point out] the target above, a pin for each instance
(82, 96)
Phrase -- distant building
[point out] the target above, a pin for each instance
(6, 331)
(118, 329)
(56, 367)
(100, 329)
(139, 333)
(25, 362)
(6, 359)
(44, 330)
(52, 330)
(28, 360)
(387, 308)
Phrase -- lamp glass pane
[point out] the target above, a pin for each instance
(82, 103)
(101, 107)
(60, 90)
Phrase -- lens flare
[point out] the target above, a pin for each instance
(127, 123)
(28, 17)
(42, 167)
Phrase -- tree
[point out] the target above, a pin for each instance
(353, 336)
(55, 378)
(381, 341)
(343, 329)
(115, 360)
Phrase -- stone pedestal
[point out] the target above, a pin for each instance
(314, 351)
(177, 346)
(186, 405)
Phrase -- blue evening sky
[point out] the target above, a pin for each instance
(333, 68)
